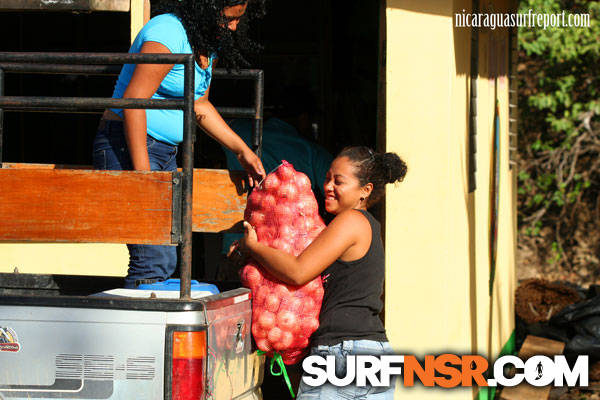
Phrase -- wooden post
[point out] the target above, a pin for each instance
(532, 346)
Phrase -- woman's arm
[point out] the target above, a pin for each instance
(143, 84)
(212, 123)
(347, 230)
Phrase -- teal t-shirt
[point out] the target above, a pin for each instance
(281, 141)
(166, 29)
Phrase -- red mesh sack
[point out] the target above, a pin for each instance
(284, 212)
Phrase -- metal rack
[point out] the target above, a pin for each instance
(103, 64)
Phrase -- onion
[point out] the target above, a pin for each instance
(282, 214)
(255, 199)
(302, 182)
(302, 341)
(271, 183)
(282, 290)
(286, 320)
(258, 332)
(310, 287)
(301, 244)
(274, 334)
(257, 218)
(291, 304)
(303, 224)
(266, 319)
(307, 205)
(261, 294)
(264, 345)
(309, 306)
(282, 244)
(251, 276)
(268, 202)
(286, 232)
(288, 191)
(286, 340)
(319, 293)
(308, 325)
(272, 302)
(265, 234)
(286, 171)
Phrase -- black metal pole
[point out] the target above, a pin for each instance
(188, 170)
(83, 103)
(241, 74)
(258, 119)
(92, 58)
(34, 68)
(237, 112)
(1, 115)
(473, 103)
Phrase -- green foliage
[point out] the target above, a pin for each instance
(556, 253)
(559, 84)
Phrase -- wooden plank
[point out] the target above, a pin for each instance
(43, 166)
(219, 200)
(65, 5)
(533, 346)
(54, 205)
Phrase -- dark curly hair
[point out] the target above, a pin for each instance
(375, 168)
(206, 27)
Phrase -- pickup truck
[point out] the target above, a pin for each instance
(76, 337)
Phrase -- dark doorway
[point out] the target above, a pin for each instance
(330, 48)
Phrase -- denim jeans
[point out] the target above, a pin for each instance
(110, 152)
(329, 391)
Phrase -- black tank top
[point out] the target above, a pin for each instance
(352, 300)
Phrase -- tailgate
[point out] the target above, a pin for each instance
(235, 371)
(82, 353)
(68, 347)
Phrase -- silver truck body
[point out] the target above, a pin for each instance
(72, 347)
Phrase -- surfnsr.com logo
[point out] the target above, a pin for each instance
(446, 370)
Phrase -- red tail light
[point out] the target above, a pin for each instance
(189, 351)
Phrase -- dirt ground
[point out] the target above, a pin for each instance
(543, 290)
(581, 268)
(537, 300)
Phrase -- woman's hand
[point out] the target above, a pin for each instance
(235, 254)
(250, 237)
(253, 166)
(238, 251)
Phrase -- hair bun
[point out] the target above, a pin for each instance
(394, 167)
(375, 168)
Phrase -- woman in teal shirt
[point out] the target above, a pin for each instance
(147, 140)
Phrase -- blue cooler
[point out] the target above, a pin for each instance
(173, 285)
(168, 289)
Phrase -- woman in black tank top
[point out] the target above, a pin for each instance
(348, 254)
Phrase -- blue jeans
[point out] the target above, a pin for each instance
(329, 391)
(110, 152)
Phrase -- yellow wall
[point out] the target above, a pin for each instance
(65, 258)
(437, 233)
(139, 14)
